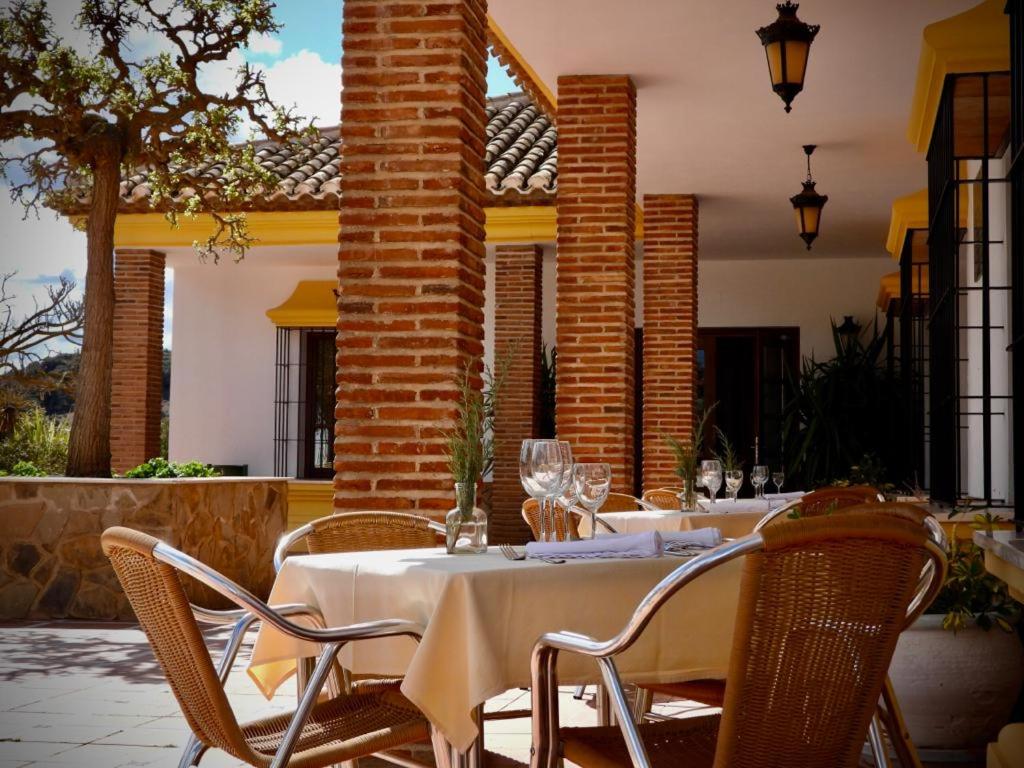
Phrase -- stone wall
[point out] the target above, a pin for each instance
(51, 563)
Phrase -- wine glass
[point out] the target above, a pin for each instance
(565, 488)
(592, 482)
(778, 478)
(759, 477)
(711, 474)
(546, 465)
(530, 485)
(733, 482)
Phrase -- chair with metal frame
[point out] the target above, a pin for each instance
(664, 498)
(823, 501)
(801, 691)
(531, 515)
(371, 718)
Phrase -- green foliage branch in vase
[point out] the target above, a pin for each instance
(687, 454)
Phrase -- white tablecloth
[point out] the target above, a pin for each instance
(731, 524)
(483, 614)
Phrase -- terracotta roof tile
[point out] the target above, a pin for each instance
(521, 156)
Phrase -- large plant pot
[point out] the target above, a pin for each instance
(956, 691)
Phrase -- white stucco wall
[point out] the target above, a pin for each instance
(222, 382)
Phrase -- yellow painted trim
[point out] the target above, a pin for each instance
(888, 289)
(977, 40)
(309, 500)
(908, 212)
(311, 305)
(528, 70)
(521, 224)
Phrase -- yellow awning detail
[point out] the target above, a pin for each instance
(977, 40)
(908, 212)
(311, 305)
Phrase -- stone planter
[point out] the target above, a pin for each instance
(51, 563)
(956, 691)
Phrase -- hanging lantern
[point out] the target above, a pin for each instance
(787, 44)
(808, 204)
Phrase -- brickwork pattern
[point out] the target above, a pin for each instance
(670, 330)
(596, 270)
(517, 321)
(137, 376)
(411, 244)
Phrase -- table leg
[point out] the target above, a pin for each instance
(447, 756)
(604, 708)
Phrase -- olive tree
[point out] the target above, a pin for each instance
(74, 117)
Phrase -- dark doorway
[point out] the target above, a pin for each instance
(745, 371)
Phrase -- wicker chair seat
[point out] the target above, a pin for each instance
(372, 719)
(684, 743)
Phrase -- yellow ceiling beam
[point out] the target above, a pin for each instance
(908, 212)
(888, 290)
(313, 304)
(977, 40)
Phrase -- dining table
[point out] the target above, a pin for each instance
(482, 615)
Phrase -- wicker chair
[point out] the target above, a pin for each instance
(823, 501)
(531, 514)
(372, 717)
(361, 532)
(664, 498)
(800, 692)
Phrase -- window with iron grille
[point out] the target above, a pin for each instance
(1016, 10)
(969, 206)
(304, 403)
(913, 315)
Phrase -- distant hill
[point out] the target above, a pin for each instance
(50, 381)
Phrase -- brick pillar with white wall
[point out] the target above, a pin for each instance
(137, 375)
(410, 260)
(517, 325)
(670, 330)
(596, 270)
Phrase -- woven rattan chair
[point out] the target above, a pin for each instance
(664, 498)
(372, 717)
(531, 514)
(821, 502)
(361, 532)
(822, 602)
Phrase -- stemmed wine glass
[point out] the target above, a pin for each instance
(592, 482)
(565, 488)
(759, 477)
(546, 464)
(711, 474)
(733, 482)
(778, 478)
(532, 488)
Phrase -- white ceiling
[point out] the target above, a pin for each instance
(709, 123)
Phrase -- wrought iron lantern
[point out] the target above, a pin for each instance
(808, 204)
(787, 44)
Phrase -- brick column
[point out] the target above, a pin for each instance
(670, 329)
(517, 320)
(410, 309)
(137, 376)
(596, 270)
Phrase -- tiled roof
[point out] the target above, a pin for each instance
(521, 156)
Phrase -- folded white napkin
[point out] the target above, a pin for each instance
(647, 544)
(787, 496)
(701, 537)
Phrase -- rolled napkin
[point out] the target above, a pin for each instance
(647, 544)
(700, 538)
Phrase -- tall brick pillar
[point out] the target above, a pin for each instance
(410, 261)
(517, 321)
(670, 329)
(596, 270)
(137, 376)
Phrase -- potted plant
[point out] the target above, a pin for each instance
(732, 467)
(958, 670)
(687, 454)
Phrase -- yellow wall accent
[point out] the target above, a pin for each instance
(311, 305)
(888, 289)
(908, 212)
(521, 224)
(308, 500)
(521, 61)
(977, 40)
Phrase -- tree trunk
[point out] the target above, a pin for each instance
(89, 449)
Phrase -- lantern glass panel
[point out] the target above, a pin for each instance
(796, 61)
(807, 219)
(774, 53)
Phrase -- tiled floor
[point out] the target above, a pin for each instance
(92, 696)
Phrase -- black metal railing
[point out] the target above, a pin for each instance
(1016, 224)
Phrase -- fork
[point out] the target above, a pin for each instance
(510, 554)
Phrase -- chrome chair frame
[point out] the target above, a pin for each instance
(289, 540)
(544, 660)
(252, 609)
(787, 508)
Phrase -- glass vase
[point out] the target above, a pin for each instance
(688, 498)
(465, 524)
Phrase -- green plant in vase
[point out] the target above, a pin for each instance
(732, 467)
(687, 455)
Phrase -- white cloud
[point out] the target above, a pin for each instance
(309, 83)
(265, 44)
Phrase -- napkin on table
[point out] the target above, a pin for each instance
(701, 537)
(647, 544)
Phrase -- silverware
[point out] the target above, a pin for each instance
(511, 554)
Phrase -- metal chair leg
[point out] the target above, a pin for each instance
(580, 692)
(642, 704)
(896, 727)
(193, 753)
(877, 742)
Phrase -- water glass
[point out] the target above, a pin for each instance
(565, 485)
(546, 466)
(759, 477)
(711, 474)
(592, 481)
(778, 478)
(733, 482)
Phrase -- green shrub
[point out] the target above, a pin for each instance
(160, 467)
(24, 469)
(39, 440)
